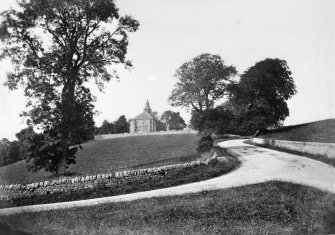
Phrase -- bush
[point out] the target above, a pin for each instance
(205, 144)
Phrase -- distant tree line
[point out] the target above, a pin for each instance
(172, 120)
(28, 139)
(119, 126)
(9, 152)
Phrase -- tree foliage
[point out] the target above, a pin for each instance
(45, 150)
(202, 82)
(9, 152)
(57, 47)
(121, 125)
(173, 120)
(259, 98)
(219, 120)
(205, 144)
(106, 128)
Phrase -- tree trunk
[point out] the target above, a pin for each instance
(68, 100)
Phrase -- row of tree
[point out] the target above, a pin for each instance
(9, 152)
(119, 126)
(171, 119)
(16, 150)
(222, 101)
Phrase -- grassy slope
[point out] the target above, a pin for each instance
(267, 208)
(320, 131)
(173, 178)
(113, 154)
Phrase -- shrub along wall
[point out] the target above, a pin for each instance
(68, 184)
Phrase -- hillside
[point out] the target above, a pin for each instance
(113, 154)
(320, 131)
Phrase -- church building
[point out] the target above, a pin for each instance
(146, 122)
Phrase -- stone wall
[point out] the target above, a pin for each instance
(68, 184)
(112, 136)
(324, 149)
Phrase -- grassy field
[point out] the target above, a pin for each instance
(320, 131)
(132, 185)
(267, 208)
(115, 154)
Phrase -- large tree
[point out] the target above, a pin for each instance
(57, 47)
(260, 97)
(173, 120)
(202, 83)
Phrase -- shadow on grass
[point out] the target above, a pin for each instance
(5, 229)
(329, 221)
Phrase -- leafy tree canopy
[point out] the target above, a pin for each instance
(260, 96)
(106, 128)
(56, 48)
(219, 120)
(9, 152)
(173, 120)
(121, 125)
(201, 82)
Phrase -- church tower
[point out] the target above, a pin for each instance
(147, 107)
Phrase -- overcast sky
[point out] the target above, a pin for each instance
(241, 32)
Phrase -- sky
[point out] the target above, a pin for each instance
(242, 32)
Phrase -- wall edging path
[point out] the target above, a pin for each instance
(315, 148)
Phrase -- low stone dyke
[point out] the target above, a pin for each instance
(113, 136)
(68, 184)
(315, 148)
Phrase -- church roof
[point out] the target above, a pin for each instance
(144, 115)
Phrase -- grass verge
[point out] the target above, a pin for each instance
(111, 155)
(320, 131)
(266, 208)
(321, 158)
(132, 185)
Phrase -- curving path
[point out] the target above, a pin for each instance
(258, 165)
